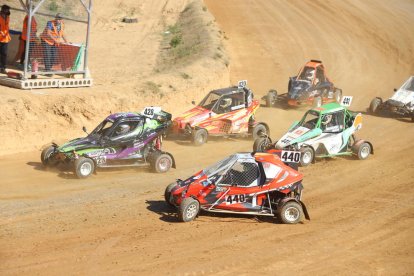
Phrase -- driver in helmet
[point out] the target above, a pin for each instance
(225, 104)
(327, 121)
(309, 75)
(122, 129)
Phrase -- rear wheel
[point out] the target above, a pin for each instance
(271, 98)
(362, 150)
(290, 213)
(259, 130)
(375, 103)
(317, 102)
(306, 156)
(200, 137)
(188, 210)
(338, 95)
(261, 144)
(167, 193)
(161, 162)
(84, 167)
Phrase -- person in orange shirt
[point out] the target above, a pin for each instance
(32, 37)
(52, 37)
(4, 36)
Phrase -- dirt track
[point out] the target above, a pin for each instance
(362, 212)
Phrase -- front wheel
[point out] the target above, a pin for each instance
(167, 193)
(375, 103)
(261, 144)
(338, 95)
(271, 98)
(306, 156)
(290, 213)
(47, 156)
(161, 162)
(200, 137)
(189, 209)
(362, 150)
(259, 130)
(317, 102)
(84, 167)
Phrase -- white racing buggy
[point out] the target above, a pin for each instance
(325, 131)
(401, 104)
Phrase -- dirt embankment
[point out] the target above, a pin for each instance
(172, 56)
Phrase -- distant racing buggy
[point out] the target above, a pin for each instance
(121, 140)
(310, 87)
(324, 131)
(258, 184)
(223, 112)
(401, 104)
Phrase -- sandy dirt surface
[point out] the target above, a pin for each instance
(362, 212)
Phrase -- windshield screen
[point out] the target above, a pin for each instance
(209, 101)
(310, 119)
(220, 167)
(103, 128)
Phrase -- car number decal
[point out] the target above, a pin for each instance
(242, 84)
(234, 199)
(150, 111)
(346, 100)
(290, 156)
(100, 160)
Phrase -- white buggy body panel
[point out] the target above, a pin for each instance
(405, 94)
(332, 141)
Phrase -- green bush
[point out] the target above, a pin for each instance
(176, 40)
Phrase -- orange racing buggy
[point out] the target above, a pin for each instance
(311, 86)
(223, 112)
(257, 184)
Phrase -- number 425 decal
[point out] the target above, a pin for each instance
(234, 199)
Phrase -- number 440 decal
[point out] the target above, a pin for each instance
(290, 156)
(234, 199)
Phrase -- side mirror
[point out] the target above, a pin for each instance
(193, 102)
(395, 89)
(84, 130)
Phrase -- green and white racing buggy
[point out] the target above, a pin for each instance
(326, 131)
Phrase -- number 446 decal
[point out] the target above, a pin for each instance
(234, 199)
(290, 156)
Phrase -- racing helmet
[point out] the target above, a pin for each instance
(309, 74)
(225, 102)
(122, 129)
(327, 119)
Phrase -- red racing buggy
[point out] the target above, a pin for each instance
(258, 184)
(223, 112)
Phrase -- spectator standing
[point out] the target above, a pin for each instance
(52, 37)
(4, 36)
(32, 38)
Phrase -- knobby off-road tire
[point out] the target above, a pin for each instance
(373, 107)
(188, 210)
(317, 102)
(167, 193)
(84, 167)
(290, 213)
(47, 157)
(261, 144)
(338, 95)
(306, 157)
(258, 131)
(160, 162)
(271, 98)
(362, 150)
(199, 137)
